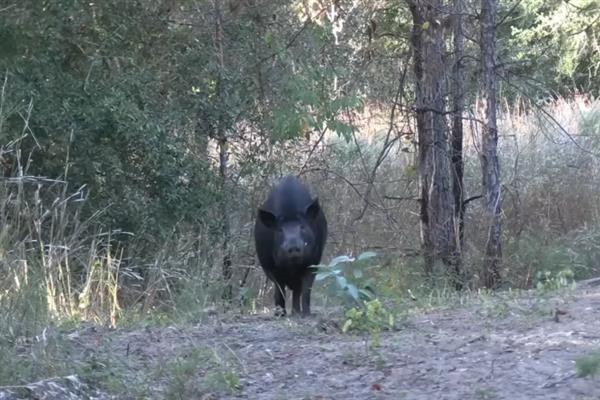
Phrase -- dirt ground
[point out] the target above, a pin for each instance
(508, 347)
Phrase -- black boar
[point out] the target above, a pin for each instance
(290, 234)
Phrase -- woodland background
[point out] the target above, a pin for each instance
(138, 138)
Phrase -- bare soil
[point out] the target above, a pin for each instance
(505, 347)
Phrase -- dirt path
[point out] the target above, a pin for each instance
(509, 348)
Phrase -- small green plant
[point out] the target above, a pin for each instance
(200, 372)
(588, 365)
(548, 282)
(485, 394)
(366, 313)
(106, 371)
(372, 319)
(227, 379)
(182, 373)
(494, 305)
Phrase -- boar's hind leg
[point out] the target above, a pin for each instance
(279, 299)
(307, 282)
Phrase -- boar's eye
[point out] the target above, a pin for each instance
(305, 244)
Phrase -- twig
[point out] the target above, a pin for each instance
(38, 383)
(470, 199)
(340, 176)
(312, 150)
(514, 6)
(470, 341)
(551, 118)
(7, 7)
(2, 99)
(401, 198)
(386, 147)
(290, 42)
(559, 381)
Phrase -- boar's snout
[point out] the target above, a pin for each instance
(293, 249)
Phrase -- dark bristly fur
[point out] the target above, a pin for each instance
(290, 234)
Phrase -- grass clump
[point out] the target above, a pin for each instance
(30, 359)
(200, 372)
(588, 365)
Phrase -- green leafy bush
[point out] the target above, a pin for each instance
(349, 276)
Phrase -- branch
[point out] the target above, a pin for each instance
(508, 13)
(401, 198)
(340, 176)
(470, 199)
(312, 150)
(387, 144)
(433, 110)
(550, 117)
(586, 27)
(290, 42)
(7, 7)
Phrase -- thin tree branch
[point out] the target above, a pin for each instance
(401, 198)
(551, 118)
(340, 176)
(312, 150)
(514, 6)
(472, 198)
(291, 41)
(387, 143)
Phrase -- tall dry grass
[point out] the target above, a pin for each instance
(53, 264)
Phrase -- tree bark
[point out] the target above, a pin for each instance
(437, 205)
(458, 100)
(489, 146)
(221, 136)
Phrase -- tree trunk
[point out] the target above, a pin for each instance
(225, 226)
(458, 100)
(221, 136)
(489, 146)
(437, 206)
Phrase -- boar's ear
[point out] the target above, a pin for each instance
(312, 211)
(267, 218)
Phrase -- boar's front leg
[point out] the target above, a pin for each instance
(296, 292)
(307, 282)
(279, 298)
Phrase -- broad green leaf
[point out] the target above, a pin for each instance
(353, 290)
(367, 294)
(366, 255)
(322, 275)
(339, 260)
(342, 282)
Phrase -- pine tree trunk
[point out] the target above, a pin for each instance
(221, 136)
(489, 146)
(458, 101)
(437, 204)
